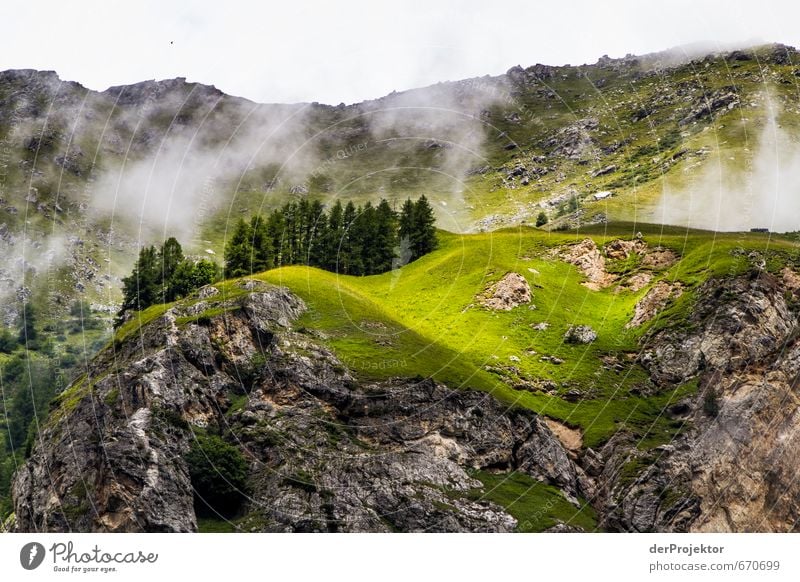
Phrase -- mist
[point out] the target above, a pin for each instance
(447, 120)
(740, 194)
(175, 187)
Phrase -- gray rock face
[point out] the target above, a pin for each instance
(734, 467)
(580, 334)
(324, 453)
(575, 141)
(327, 453)
(738, 322)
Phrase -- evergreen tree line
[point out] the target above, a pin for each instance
(163, 275)
(363, 240)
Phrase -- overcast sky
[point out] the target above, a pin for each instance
(350, 50)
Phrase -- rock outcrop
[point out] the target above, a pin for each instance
(587, 257)
(580, 334)
(733, 466)
(509, 292)
(653, 302)
(328, 453)
(325, 453)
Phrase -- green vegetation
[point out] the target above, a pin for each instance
(27, 331)
(351, 240)
(219, 472)
(422, 320)
(711, 402)
(215, 525)
(162, 276)
(535, 506)
(8, 343)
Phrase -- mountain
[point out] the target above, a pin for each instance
(597, 373)
(511, 381)
(89, 176)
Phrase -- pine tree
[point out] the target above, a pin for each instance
(424, 238)
(333, 236)
(349, 251)
(171, 255)
(20, 415)
(261, 258)
(276, 228)
(304, 227)
(144, 286)
(364, 233)
(239, 251)
(385, 237)
(170, 258)
(406, 223)
(27, 331)
(8, 343)
(292, 233)
(317, 250)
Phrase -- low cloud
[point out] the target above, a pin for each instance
(739, 194)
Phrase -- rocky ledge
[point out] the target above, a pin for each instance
(323, 452)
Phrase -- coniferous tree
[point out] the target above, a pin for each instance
(385, 237)
(170, 258)
(351, 240)
(424, 238)
(541, 219)
(364, 234)
(305, 229)
(292, 233)
(406, 224)
(276, 228)
(20, 415)
(164, 275)
(317, 235)
(333, 236)
(27, 331)
(171, 255)
(144, 286)
(348, 249)
(261, 257)
(239, 250)
(8, 343)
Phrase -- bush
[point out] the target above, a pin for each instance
(8, 343)
(541, 220)
(711, 403)
(219, 474)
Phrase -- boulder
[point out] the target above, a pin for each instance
(509, 292)
(580, 334)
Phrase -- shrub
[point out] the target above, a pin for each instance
(711, 403)
(219, 473)
(8, 343)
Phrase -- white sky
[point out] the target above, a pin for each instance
(350, 50)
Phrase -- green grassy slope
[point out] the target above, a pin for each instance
(424, 320)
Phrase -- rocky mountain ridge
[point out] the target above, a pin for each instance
(326, 452)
